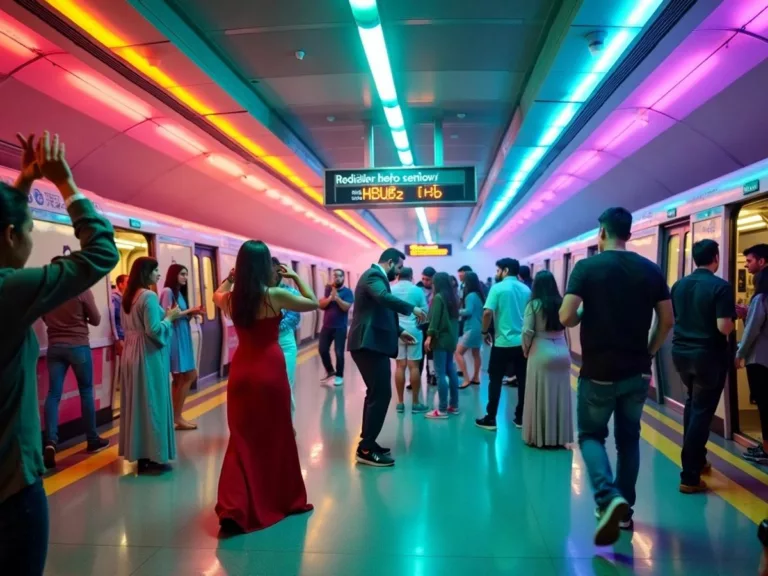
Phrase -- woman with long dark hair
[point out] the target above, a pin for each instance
(26, 294)
(547, 419)
(261, 481)
(753, 354)
(183, 365)
(472, 339)
(146, 413)
(442, 339)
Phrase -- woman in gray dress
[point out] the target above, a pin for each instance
(547, 420)
(472, 339)
(146, 422)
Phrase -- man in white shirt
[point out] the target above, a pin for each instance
(505, 306)
(409, 355)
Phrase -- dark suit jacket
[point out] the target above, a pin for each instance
(375, 326)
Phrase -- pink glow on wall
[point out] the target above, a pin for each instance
(672, 78)
(562, 181)
(619, 134)
(687, 83)
(130, 107)
(12, 32)
(760, 24)
(588, 163)
(180, 138)
(8, 43)
(749, 10)
(548, 196)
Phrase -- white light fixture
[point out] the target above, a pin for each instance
(394, 117)
(755, 218)
(225, 165)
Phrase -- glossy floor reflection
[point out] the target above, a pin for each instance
(459, 501)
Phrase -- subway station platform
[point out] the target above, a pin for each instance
(460, 501)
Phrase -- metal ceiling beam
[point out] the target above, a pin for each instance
(167, 17)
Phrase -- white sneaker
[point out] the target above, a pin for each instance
(338, 381)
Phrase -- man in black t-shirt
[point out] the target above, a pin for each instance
(613, 295)
(704, 311)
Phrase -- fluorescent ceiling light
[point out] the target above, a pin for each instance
(254, 182)
(643, 10)
(378, 60)
(225, 165)
(394, 117)
(750, 219)
(401, 139)
(180, 138)
(748, 227)
(405, 157)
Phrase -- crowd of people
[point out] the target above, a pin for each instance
(614, 295)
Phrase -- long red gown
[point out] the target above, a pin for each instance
(260, 482)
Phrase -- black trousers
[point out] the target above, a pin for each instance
(704, 378)
(757, 375)
(24, 532)
(376, 371)
(501, 359)
(339, 338)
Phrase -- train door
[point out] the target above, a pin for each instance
(546, 264)
(676, 259)
(204, 265)
(751, 229)
(592, 250)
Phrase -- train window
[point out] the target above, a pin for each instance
(196, 267)
(131, 246)
(673, 259)
(210, 309)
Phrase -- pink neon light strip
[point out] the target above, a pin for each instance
(685, 85)
(109, 96)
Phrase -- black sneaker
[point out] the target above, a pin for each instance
(627, 523)
(486, 423)
(97, 445)
(382, 450)
(49, 455)
(608, 530)
(518, 422)
(370, 458)
(758, 456)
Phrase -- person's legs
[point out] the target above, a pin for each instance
(520, 366)
(82, 365)
(757, 374)
(24, 532)
(497, 367)
(630, 399)
(594, 405)
(441, 363)
(340, 341)
(290, 352)
(477, 362)
(58, 364)
(461, 364)
(453, 382)
(324, 349)
(414, 377)
(376, 372)
(400, 378)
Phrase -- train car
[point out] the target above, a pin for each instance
(209, 254)
(732, 210)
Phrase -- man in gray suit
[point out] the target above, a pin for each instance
(373, 343)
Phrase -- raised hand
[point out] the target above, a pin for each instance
(173, 314)
(286, 272)
(51, 158)
(30, 169)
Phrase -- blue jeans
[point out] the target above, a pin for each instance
(24, 531)
(444, 366)
(596, 403)
(60, 358)
(339, 338)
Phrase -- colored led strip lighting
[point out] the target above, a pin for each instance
(112, 41)
(366, 14)
(618, 41)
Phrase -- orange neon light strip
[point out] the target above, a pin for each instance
(98, 31)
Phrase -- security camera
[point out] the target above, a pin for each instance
(596, 42)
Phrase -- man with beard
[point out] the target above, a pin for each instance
(373, 343)
(336, 304)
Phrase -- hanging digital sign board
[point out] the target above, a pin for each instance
(427, 250)
(401, 187)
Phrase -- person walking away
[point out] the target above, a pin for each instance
(260, 481)
(756, 261)
(442, 339)
(146, 409)
(704, 310)
(473, 300)
(426, 360)
(27, 294)
(287, 333)
(336, 304)
(117, 302)
(373, 342)
(547, 420)
(614, 295)
(69, 347)
(409, 356)
(175, 294)
(752, 353)
(505, 307)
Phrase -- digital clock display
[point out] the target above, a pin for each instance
(398, 187)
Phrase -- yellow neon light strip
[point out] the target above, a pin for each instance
(112, 41)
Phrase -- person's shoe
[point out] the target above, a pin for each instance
(436, 415)
(375, 459)
(758, 456)
(433, 380)
(753, 449)
(626, 524)
(475, 382)
(486, 423)
(400, 408)
(518, 422)
(230, 527)
(97, 445)
(419, 408)
(338, 381)
(49, 455)
(608, 529)
(465, 384)
(151, 467)
(381, 450)
(693, 488)
(328, 377)
(453, 411)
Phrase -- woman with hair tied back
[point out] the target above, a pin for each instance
(183, 366)
(146, 418)
(26, 294)
(547, 420)
(261, 481)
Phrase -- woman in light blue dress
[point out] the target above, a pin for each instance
(183, 365)
(472, 339)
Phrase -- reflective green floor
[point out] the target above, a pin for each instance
(459, 501)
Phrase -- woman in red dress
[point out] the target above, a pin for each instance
(260, 482)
